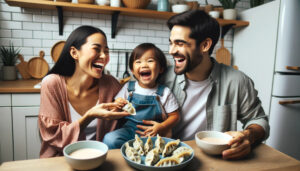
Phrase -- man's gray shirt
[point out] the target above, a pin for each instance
(232, 98)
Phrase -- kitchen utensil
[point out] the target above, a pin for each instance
(22, 68)
(118, 59)
(56, 50)
(223, 55)
(126, 73)
(142, 166)
(38, 67)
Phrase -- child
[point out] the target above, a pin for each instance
(156, 106)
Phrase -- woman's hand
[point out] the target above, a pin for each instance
(240, 146)
(151, 129)
(121, 102)
(106, 111)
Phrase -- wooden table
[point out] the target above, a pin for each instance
(262, 157)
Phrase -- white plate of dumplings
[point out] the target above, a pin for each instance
(157, 153)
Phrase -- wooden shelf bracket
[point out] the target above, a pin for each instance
(114, 23)
(60, 19)
(225, 29)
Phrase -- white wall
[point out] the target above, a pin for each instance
(37, 29)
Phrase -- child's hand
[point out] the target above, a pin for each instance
(151, 130)
(121, 102)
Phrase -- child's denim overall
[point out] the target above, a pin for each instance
(147, 108)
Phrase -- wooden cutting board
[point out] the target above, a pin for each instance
(223, 55)
(22, 68)
(56, 50)
(38, 66)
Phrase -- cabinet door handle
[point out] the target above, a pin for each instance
(292, 68)
(289, 102)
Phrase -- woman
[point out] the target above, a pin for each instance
(76, 92)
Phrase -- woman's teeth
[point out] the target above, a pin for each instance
(98, 65)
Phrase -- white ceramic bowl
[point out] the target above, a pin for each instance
(214, 14)
(212, 148)
(179, 8)
(88, 162)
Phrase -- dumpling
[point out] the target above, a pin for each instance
(168, 161)
(152, 157)
(160, 143)
(183, 155)
(181, 149)
(138, 145)
(170, 147)
(132, 154)
(148, 145)
(129, 108)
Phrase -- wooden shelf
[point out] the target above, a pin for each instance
(114, 11)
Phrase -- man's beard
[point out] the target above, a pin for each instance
(190, 65)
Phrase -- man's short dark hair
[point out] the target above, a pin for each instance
(202, 26)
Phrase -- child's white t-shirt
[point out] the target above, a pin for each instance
(168, 100)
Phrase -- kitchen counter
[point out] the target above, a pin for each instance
(19, 86)
(262, 157)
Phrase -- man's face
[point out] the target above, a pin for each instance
(186, 54)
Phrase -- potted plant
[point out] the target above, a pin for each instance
(254, 3)
(229, 12)
(9, 57)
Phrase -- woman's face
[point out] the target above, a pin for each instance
(146, 69)
(93, 56)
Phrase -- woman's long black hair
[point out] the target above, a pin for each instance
(65, 65)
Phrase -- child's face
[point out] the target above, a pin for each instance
(146, 69)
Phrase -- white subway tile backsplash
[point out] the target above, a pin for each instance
(86, 21)
(31, 11)
(48, 43)
(98, 22)
(55, 35)
(132, 31)
(32, 43)
(131, 45)
(26, 51)
(49, 27)
(46, 12)
(118, 45)
(89, 15)
(6, 7)
(155, 40)
(121, 38)
(10, 25)
(36, 51)
(42, 18)
(8, 41)
(153, 26)
(5, 15)
(147, 32)
(164, 34)
(140, 39)
(32, 26)
(21, 34)
(72, 20)
(140, 25)
(42, 35)
(5, 33)
(21, 17)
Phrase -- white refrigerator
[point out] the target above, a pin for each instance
(268, 50)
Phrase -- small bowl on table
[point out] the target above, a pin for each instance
(212, 142)
(85, 155)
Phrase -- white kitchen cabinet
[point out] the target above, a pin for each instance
(18, 126)
(26, 133)
(6, 140)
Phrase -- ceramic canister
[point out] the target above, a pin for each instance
(162, 5)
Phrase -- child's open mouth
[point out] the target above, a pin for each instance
(145, 74)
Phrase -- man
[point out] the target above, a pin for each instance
(212, 96)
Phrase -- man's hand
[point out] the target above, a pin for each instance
(239, 146)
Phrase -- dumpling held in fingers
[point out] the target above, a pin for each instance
(129, 108)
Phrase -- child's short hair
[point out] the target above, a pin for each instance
(142, 48)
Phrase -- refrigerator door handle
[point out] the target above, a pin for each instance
(297, 68)
(284, 102)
